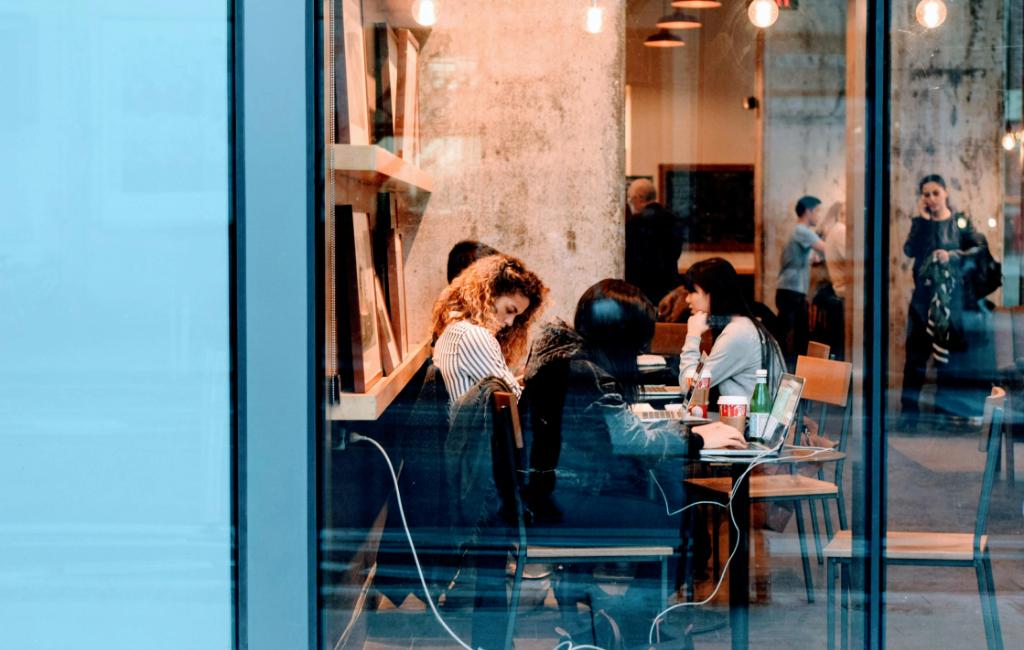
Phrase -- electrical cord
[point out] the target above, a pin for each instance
(565, 645)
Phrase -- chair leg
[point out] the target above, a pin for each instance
(1008, 436)
(993, 608)
(986, 614)
(814, 527)
(830, 607)
(799, 512)
(715, 527)
(513, 605)
(844, 606)
(841, 507)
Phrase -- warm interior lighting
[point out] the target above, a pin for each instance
(595, 18)
(992, 223)
(697, 4)
(931, 13)
(678, 20)
(425, 12)
(1009, 142)
(763, 13)
(664, 39)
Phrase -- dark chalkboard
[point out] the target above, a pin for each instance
(718, 200)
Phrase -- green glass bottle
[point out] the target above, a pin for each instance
(760, 407)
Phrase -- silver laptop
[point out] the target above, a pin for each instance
(647, 415)
(784, 409)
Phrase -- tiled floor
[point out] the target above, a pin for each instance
(933, 483)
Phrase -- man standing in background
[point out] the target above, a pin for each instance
(654, 242)
(795, 278)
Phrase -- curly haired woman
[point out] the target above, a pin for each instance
(482, 321)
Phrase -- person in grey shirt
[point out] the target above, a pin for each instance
(795, 278)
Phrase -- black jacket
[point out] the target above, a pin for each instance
(654, 242)
(584, 435)
(964, 243)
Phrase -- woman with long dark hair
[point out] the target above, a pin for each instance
(581, 382)
(942, 242)
(741, 343)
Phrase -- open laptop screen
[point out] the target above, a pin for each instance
(783, 409)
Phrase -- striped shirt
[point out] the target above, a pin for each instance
(467, 353)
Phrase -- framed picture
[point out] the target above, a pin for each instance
(396, 292)
(388, 346)
(356, 251)
(407, 104)
(385, 72)
(351, 112)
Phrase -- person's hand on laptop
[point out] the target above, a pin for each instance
(720, 436)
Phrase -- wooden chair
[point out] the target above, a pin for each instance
(936, 549)
(1008, 340)
(507, 427)
(669, 338)
(818, 350)
(828, 383)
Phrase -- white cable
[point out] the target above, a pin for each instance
(355, 437)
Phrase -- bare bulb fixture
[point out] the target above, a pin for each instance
(992, 223)
(425, 11)
(595, 18)
(1009, 142)
(764, 13)
(931, 13)
(696, 4)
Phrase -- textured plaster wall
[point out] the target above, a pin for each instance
(947, 116)
(521, 117)
(805, 122)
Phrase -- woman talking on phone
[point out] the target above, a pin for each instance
(944, 245)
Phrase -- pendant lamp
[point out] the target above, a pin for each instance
(697, 4)
(664, 39)
(678, 20)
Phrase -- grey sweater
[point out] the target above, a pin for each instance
(734, 360)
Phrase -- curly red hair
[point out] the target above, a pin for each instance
(472, 295)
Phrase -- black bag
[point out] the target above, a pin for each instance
(981, 273)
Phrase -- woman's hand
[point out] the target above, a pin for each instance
(697, 324)
(942, 256)
(922, 209)
(720, 436)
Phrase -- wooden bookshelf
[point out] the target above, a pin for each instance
(371, 404)
(376, 166)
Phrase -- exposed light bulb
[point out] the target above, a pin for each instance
(595, 18)
(992, 223)
(961, 222)
(425, 11)
(763, 13)
(1009, 142)
(931, 13)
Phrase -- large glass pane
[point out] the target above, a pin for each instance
(955, 215)
(115, 428)
(714, 157)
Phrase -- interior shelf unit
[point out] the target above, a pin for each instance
(370, 405)
(376, 166)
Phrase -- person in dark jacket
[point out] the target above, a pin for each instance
(587, 443)
(940, 241)
(654, 242)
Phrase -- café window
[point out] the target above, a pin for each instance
(651, 324)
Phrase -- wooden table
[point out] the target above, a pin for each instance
(739, 535)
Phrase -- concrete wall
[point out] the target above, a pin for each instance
(805, 122)
(521, 117)
(947, 114)
(687, 102)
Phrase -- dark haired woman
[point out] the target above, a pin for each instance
(940, 242)
(741, 343)
(581, 382)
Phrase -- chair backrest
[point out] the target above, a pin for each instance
(508, 400)
(991, 426)
(669, 339)
(818, 350)
(825, 381)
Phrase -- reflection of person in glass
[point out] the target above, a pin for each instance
(939, 241)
